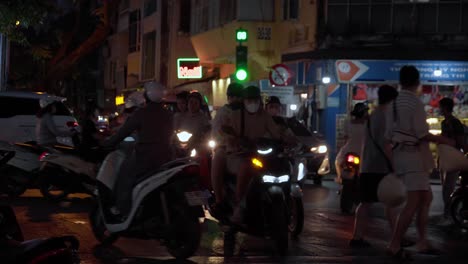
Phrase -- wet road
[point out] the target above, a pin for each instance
(324, 239)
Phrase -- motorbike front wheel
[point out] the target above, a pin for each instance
(99, 229)
(14, 188)
(459, 211)
(296, 221)
(186, 238)
(51, 191)
(280, 227)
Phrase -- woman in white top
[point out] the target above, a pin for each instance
(46, 129)
(354, 134)
(409, 133)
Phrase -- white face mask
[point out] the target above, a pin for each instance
(252, 108)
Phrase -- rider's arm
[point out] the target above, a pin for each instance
(131, 124)
(272, 127)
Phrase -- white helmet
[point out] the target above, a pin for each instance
(44, 102)
(154, 91)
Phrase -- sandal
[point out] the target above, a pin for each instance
(430, 251)
(407, 243)
(401, 255)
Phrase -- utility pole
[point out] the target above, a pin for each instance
(3, 62)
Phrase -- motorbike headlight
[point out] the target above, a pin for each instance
(301, 171)
(193, 153)
(264, 151)
(212, 144)
(274, 179)
(184, 136)
(257, 163)
(320, 149)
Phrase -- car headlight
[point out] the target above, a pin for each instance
(274, 179)
(212, 144)
(301, 171)
(320, 149)
(193, 153)
(184, 136)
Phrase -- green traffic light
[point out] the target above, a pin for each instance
(241, 75)
(241, 35)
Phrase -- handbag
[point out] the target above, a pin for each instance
(451, 159)
(391, 190)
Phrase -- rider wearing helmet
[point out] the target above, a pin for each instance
(234, 97)
(246, 125)
(153, 126)
(194, 120)
(46, 129)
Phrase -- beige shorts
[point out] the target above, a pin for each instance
(417, 181)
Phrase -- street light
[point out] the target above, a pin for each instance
(438, 72)
(326, 80)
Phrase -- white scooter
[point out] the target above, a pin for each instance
(22, 170)
(166, 205)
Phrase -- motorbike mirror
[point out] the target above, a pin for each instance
(129, 139)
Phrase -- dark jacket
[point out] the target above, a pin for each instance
(154, 128)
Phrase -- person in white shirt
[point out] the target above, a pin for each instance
(374, 166)
(354, 134)
(409, 133)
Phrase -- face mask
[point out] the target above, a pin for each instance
(252, 108)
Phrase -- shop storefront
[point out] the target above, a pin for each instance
(343, 83)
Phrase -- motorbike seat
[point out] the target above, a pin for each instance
(31, 244)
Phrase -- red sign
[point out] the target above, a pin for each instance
(189, 68)
(280, 75)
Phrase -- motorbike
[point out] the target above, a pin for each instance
(459, 202)
(274, 206)
(63, 174)
(22, 170)
(166, 205)
(349, 194)
(13, 248)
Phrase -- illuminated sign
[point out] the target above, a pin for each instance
(189, 68)
(119, 100)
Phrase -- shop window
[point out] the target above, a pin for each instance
(184, 16)
(290, 9)
(134, 31)
(227, 11)
(150, 7)
(149, 55)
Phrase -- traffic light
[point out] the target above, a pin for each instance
(241, 35)
(241, 64)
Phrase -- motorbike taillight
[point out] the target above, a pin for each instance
(43, 155)
(72, 124)
(61, 255)
(353, 159)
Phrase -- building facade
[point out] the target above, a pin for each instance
(363, 44)
(274, 28)
(149, 36)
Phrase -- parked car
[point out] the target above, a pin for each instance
(316, 151)
(18, 117)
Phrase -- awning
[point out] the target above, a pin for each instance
(381, 53)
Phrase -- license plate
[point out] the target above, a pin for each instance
(347, 174)
(196, 198)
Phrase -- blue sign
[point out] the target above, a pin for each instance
(362, 71)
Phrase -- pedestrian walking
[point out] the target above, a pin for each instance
(374, 166)
(408, 131)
